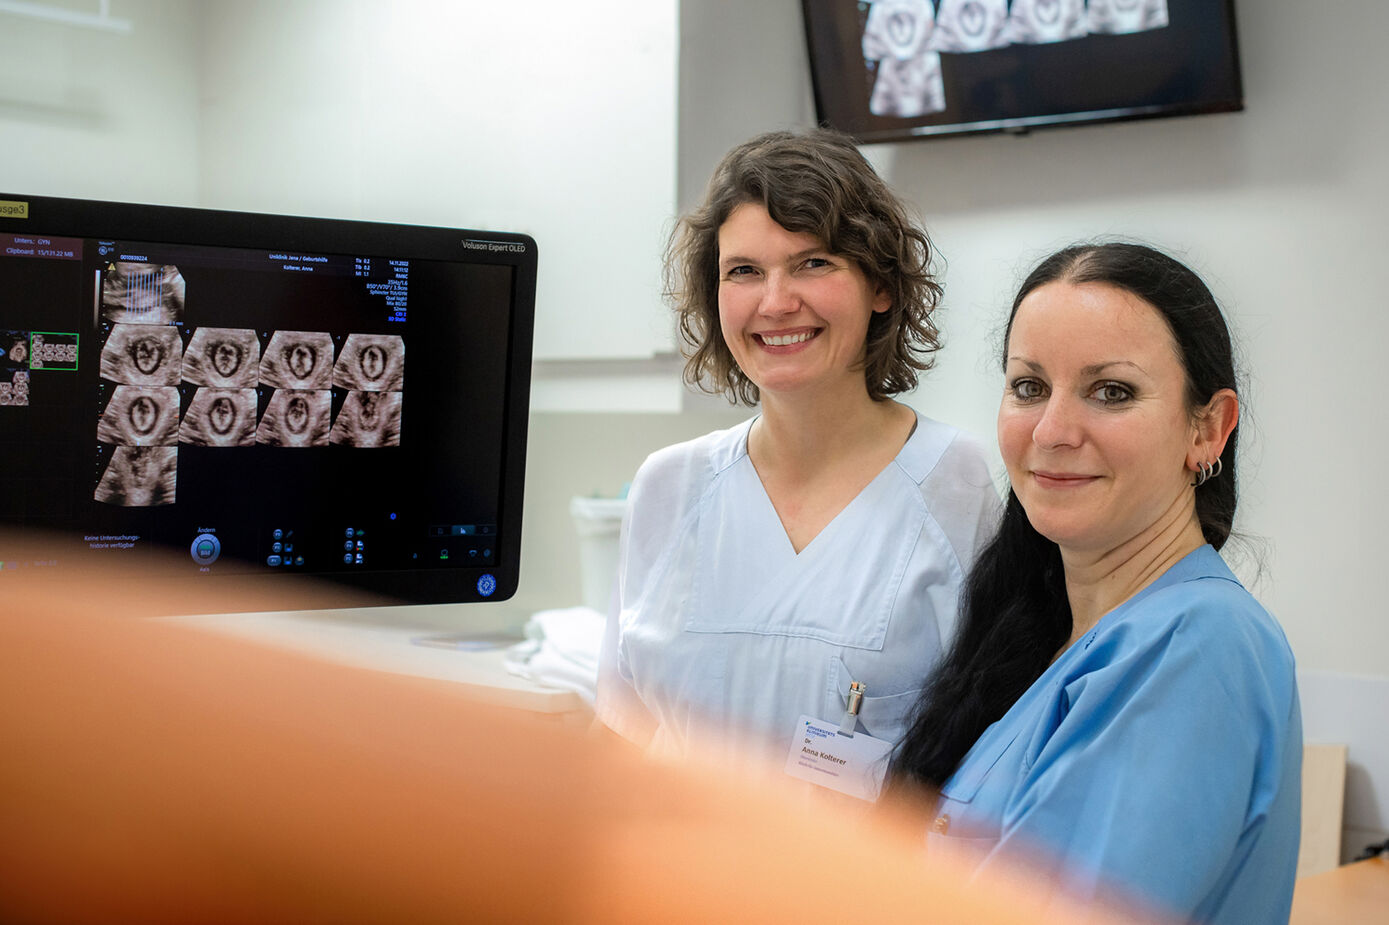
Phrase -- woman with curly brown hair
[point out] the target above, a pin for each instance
(767, 567)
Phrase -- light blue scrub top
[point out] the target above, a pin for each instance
(1160, 755)
(722, 635)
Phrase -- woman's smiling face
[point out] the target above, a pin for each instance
(1095, 427)
(793, 314)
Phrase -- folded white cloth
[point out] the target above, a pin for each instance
(561, 650)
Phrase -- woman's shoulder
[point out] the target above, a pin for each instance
(938, 450)
(702, 456)
(951, 470)
(1205, 615)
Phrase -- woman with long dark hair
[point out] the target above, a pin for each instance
(1116, 707)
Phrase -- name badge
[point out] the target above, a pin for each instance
(851, 764)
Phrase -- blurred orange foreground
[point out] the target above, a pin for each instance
(153, 773)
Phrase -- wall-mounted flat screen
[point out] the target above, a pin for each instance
(891, 70)
(265, 396)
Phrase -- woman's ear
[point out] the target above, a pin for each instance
(882, 300)
(1213, 425)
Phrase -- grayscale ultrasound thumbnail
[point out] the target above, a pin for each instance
(1038, 22)
(142, 354)
(371, 363)
(220, 417)
(1117, 17)
(142, 293)
(227, 358)
(140, 416)
(970, 25)
(139, 476)
(298, 360)
(14, 387)
(368, 419)
(296, 417)
(909, 81)
(14, 350)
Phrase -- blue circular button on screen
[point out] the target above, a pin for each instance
(487, 585)
(205, 549)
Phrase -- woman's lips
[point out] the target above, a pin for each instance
(1062, 479)
(783, 339)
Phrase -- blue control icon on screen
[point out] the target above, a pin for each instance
(205, 549)
(487, 585)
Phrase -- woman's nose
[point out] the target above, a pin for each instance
(779, 297)
(1059, 424)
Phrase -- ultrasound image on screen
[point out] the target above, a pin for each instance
(228, 358)
(14, 349)
(371, 363)
(296, 418)
(139, 476)
(970, 25)
(140, 416)
(908, 89)
(1127, 16)
(368, 419)
(14, 387)
(142, 293)
(220, 417)
(298, 360)
(897, 29)
(1036, 22)
(142, 354)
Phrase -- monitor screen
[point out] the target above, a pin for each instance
(266, 396)
(890, 70)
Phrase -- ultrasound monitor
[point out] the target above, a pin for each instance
(258, 397)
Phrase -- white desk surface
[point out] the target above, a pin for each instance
(388, 644)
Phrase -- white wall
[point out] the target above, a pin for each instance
(99, 115)
(549, 117)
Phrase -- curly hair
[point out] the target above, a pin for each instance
(815, 183)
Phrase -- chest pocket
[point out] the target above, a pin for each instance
(965, 828)
(840, 589)
(883, 716)
(964, 785)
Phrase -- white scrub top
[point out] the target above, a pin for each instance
(722, 635)
(1159, 756)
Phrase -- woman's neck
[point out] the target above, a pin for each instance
(801, 434)
(1096, 583)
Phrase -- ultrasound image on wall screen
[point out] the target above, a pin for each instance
(142, 354)
(1118, 17)
(227, 358)
(220, 417)
(298, 360)
(142, 293)
(1037, 22)
(296, 418)
(140, 416)
(970, 25)
(139, 476)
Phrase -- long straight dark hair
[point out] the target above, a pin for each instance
(1014, 614)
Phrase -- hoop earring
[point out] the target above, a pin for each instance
(1206, 471)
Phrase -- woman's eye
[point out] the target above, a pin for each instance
(1026, 389)
(815, 263)
(1112, 393)
(740, 270)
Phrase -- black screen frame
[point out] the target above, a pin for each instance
(496, 581)
(836, 62)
